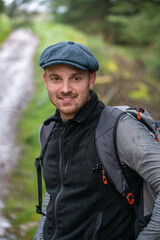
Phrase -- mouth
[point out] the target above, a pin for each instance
(67, 99)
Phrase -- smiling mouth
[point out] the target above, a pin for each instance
(67, 99)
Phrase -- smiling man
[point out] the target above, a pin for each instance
(81, 201)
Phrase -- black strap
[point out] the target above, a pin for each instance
(39, 164)
(39, 180)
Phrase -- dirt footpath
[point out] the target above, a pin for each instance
(16, 88)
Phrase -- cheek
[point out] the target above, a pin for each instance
(85, 87)
(85, 93)
(51, 94)
(52, 89)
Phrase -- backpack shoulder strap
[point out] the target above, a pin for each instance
(45, 133)
(106, 148)
(106, 145)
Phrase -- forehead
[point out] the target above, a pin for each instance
(64, 68)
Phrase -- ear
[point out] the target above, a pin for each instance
(92, 79)
(45, 80)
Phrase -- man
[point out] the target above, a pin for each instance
(78, 205)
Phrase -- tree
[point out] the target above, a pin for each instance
(1, 6)
(15, 7)
(120, 21)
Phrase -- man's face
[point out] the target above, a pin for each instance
(68, 88)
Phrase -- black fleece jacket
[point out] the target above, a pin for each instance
(81, 206)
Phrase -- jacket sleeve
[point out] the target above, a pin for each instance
(39, 232)
(138, 149)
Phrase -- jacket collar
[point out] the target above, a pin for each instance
(82, 115)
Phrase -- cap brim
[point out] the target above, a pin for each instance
(63, 62)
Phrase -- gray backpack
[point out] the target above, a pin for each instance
(105, 139)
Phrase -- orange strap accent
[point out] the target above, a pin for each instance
(138, 115)
(158, 140)
(104, 177)
(130, 198)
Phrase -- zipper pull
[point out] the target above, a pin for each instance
(100, 167)
(104, 177)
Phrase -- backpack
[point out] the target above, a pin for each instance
(106, 136)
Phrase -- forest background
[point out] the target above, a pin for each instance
(125, 38)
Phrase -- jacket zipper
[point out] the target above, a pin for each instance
(101, 168)
(61, 182)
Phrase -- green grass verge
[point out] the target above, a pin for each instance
(5, 27)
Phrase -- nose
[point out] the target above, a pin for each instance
(66, 87)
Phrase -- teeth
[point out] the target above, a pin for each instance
(66, 98)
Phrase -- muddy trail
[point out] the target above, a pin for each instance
(16, 89)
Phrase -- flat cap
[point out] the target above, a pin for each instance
(71, 53)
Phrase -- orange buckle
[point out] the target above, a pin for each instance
(130, 198)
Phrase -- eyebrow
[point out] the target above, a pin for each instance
(73, 74)
(53, 74)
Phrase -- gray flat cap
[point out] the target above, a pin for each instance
(71, 53)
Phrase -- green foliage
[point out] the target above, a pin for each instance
(1, 6)
(122, 22)
(140, 29)
(141, 93)
(80, 10)
(5, 27)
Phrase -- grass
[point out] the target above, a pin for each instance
(5, 27)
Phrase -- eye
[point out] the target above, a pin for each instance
(76, 79)
(54, 79)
